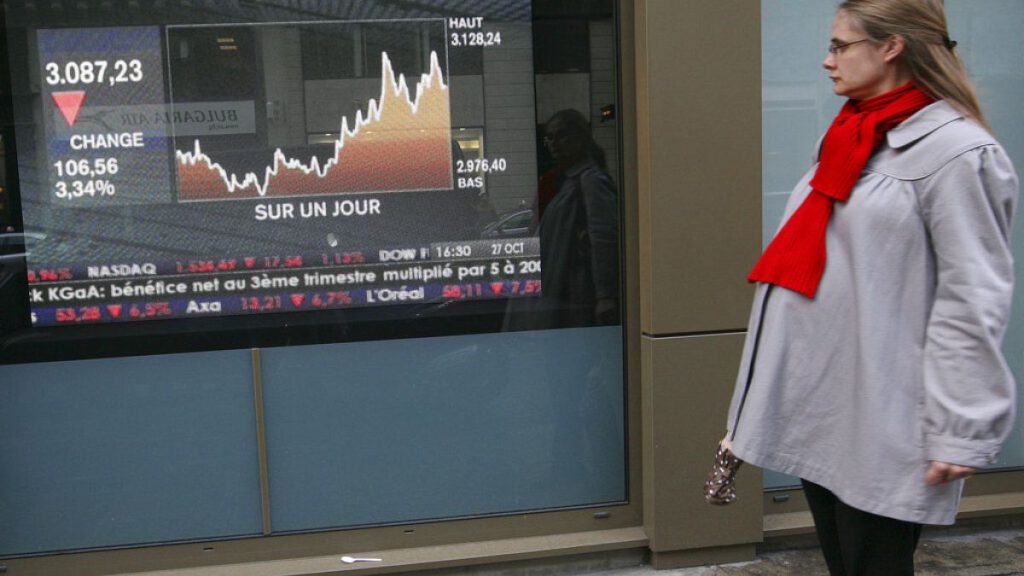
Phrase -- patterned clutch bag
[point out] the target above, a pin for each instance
(720, 487)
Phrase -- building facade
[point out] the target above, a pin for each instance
(280, 285)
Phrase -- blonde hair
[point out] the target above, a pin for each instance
(929, 56)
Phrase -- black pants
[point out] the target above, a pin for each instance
(858, 543)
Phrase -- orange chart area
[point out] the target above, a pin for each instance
(403, 143)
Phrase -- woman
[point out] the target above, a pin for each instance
(872, 368)
(578, 229)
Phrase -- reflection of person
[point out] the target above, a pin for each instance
(578, 228)
(872, 368)
(576, 220)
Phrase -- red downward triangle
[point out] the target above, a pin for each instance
(69, 103)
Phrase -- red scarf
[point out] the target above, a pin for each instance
(795, 259)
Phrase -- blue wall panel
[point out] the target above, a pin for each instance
(127, 451)
(383, 432)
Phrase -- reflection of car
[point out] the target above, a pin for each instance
(14, 248)
(14, 245)
(510, 225)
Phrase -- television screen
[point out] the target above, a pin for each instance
(243, 169)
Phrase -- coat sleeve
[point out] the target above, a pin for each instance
(603, 227)
(969, 391)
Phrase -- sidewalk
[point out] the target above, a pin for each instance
(977, 553)
(959, 551)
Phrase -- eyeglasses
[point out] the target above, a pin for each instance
(559, 135)
(837, 49)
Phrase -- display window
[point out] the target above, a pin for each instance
(284, 267)
(209, 176)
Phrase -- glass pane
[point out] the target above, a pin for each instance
(95, 453)
(988, 33)
(462, 426)
(418, 229)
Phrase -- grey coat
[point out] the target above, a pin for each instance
(897, 360)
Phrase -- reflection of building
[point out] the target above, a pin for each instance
(303, 79)
(576, 68)
(407, 124)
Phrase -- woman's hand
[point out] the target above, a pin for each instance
(605, 311)
(943, 473)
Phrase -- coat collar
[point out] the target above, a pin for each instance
(924, 122)
(578, 168)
